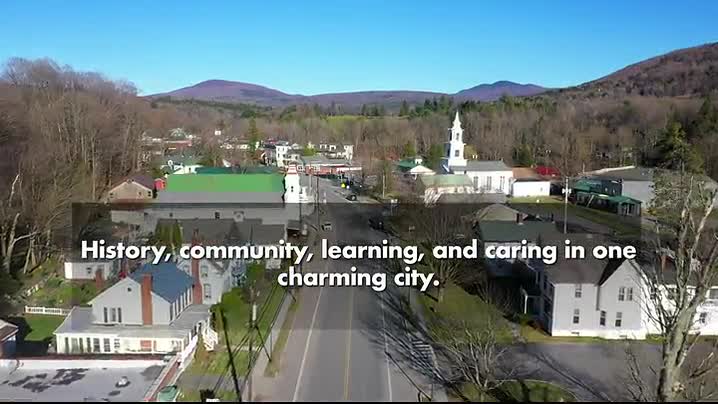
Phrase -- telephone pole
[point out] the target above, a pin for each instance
(565, 207)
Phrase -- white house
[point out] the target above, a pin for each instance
(486, 176)
(76, 268)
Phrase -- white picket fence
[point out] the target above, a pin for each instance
(50, 311)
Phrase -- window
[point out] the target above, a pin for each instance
(104, 312)
(95, 345)
(113, 315)
(602, 320)
(703, 318)
(172, 312)
(216, 215)
(502, 180)
(204, 271)
(119, 314)
(576, 316)
(106, 344)
(89, 271)
(621, 294)
(619, 319)
(488, 182)
(117, 345)
(89, 344)
(171, 215)
(146, 345)
(207, 290)
(578, 291)
(629, 296)
(456, 153)
(713, 293)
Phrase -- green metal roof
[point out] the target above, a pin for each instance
(236, 170)
(225, 183)
(407, 164)
(623, 199)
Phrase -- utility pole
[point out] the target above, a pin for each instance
(252, 320)
(383, 184)
(565, 207)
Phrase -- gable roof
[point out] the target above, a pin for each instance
(497, 211)
(407, 164)
(483, 165)
(225, 183)
(510, 231)
(168, 281)
(210, 231)
(474, 198)
(257, 233)
(525, 173)
(587, 270)
(7, 330)
(446, 180)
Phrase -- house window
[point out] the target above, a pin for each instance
(119, 314)
(502, 180)
(117, 345)
(619, 319)
(95, 345)
(576, 316)
(106, 344)
(146, 345)
(578, 291)
(602, 319)
(172, 312)
(113, 315)
(629, 295)
(456, 153)
(488, 182)
(204, 270)
(171, 215)
(89, 271)
(89, 344)
(216, 215)
(621, 294)
(713, 293)
(104, 312)
(703, 318)
(207, 290)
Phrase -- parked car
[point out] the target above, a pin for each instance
(327, 226)
(352, 197)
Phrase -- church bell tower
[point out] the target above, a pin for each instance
(454, 148)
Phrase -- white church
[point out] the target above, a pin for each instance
(487, 176)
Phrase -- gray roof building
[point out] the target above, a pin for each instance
(168, 281)
(482, 165)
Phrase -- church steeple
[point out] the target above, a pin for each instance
(454, 150)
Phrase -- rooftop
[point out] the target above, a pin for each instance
(478, 198)
(81, 320)
(446, 180)
(7, 330)
(209, 230)
(225, 183)
(168, 281)
(483, 165)
(509, 231)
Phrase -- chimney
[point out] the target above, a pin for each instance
(146, 298)
(197, 283)
(99, 280)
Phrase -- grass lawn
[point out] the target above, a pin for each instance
(58, 292)
(273, 367)
(193, 396)
(531, 334)
(42, 326)
(536, 199)
(618, 223)
(458, 305)
(237, 312)
(523, 391)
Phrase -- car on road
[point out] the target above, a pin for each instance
(327, 226)
(352, 197)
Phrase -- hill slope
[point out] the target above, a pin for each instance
(234, 91)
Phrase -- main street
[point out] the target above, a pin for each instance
(336, 349)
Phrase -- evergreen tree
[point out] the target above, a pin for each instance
(253, 135)
(434, 156)
(409, 150)
(674, 151)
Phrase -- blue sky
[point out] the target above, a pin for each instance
(335, 45)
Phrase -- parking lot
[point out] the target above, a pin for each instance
(77, 384)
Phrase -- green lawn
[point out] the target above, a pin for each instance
(58, 292)
(274, 366)
(468, 309)
(237, 312)
(193, 396)
(534, 391)
(618, 223)
(531, 334)
(536, 199)
(42, 326)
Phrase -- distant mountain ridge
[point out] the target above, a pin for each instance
(235, 91)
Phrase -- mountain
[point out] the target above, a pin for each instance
(685, 72)
(234, 91)
(489, 92)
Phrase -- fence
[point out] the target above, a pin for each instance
(50, 311)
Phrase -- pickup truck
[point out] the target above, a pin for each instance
(327, 226)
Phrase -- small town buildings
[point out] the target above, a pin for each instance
(486, 176)
(181, 164)
(431, 187)
(413, 167)
(8, 340)
(135, 188)
(77, 268)
(156, 310)
(527, 182)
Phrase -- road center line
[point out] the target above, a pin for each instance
(306, 347)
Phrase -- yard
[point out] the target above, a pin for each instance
(41, 327)
(466, 309)
(62, 293)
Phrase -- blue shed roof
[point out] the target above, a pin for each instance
(168, 281)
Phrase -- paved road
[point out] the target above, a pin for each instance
(336, 349)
